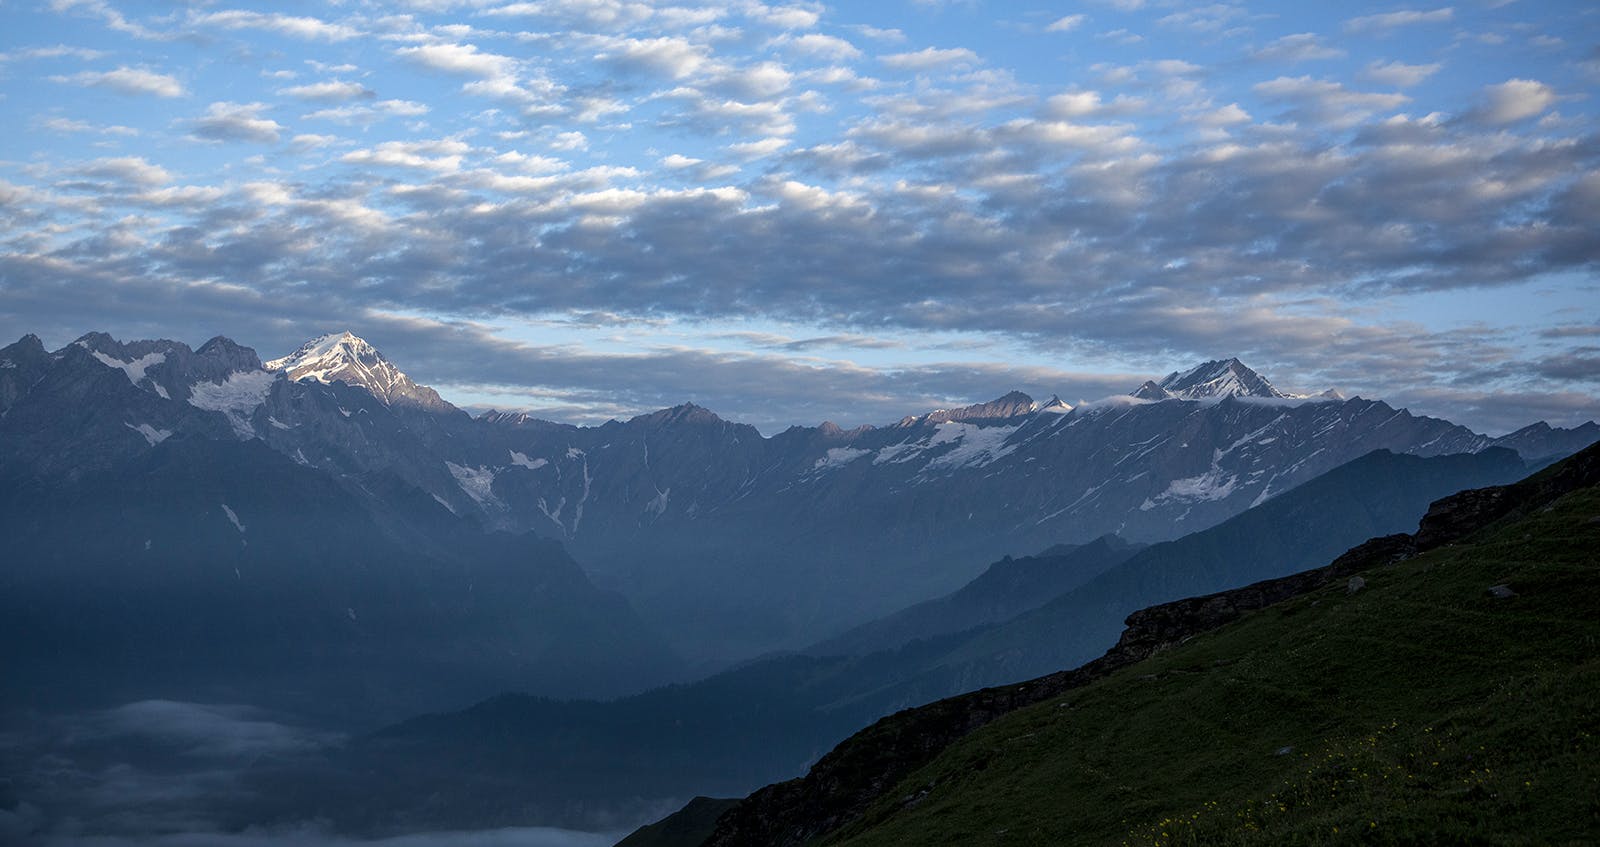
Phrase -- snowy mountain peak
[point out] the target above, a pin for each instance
(1218, 378)
(1009, 405)
(348, 358)
(1151, 391)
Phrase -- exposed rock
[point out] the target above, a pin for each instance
(1500, 592)
(1461, 514)
(1356, 584)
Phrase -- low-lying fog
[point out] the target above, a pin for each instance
(163, 773)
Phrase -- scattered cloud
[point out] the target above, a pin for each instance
(125, 170)
(931, 58)
(1514, 100)
(126, 80)
(1398, 74)
(1386, 22)
(236, 122)
(329, 91)
(464, 59)
(1300, 47)
(1066, 24)
(287, 25)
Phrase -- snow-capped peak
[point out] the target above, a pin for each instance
(348, 358)
(1214, 379)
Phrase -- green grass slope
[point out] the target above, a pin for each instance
(1420, 708)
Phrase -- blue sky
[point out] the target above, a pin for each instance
(850, 211)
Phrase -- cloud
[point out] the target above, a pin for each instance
(444, 155)
(817, 44)
(369, 113)
(459, 59)
(1214, 17)
(126, 170)
(1301, 47)
(1398, 74)
(1066, 24)
(1513, 100)
(60, 124)
(126, 80)
(59, 51)
(1382, 24)
(668, 56)
(1088, 104)
(289, 25)
(931, 58)
(329, 91)
(236, 122)
(166, 773)
(1324, 102)
(757, 149)
(784, 17)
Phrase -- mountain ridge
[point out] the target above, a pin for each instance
(737, 543)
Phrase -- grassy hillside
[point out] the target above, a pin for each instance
(1420, 708)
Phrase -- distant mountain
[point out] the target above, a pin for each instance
(1007, 589)
(153, 551)
(1210, 380)
(342, 357)
(1336, 697)
(732, 542)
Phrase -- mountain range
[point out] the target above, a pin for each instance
(728, 542)
(322, 535)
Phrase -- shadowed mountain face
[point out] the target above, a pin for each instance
(1008, 588)
(1340, 696)
(208, 570)
(516, 758)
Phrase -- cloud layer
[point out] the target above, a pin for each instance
(1056, 203)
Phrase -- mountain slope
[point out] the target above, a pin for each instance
(1379, 494)
(1413, 703)
(216, 568)
(1007, 589)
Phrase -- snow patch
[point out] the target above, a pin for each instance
(658, 504)
(896, 453)
(150, 433)
(522, 460)
(1214, 484)
(573, 453)
(976, 446)
(477, 482)
(233, 518)
(242, 393)
(838, 457)
(134, 369)
(441, 502)
(277, 423)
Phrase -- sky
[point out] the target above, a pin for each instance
(844, 211)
